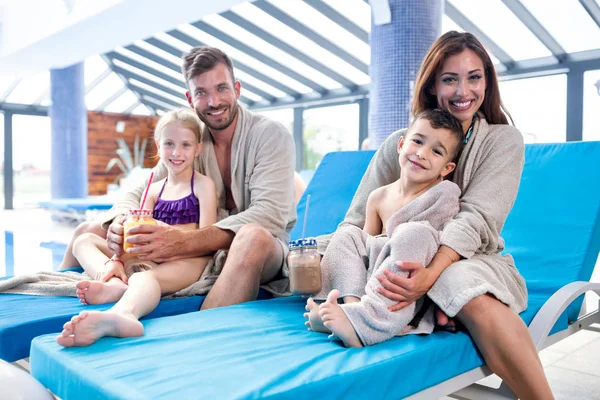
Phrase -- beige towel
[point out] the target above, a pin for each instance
(63, 283)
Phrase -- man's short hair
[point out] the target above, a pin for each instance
(442, 119)
(204, 58)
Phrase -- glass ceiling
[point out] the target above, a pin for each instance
(312, 50)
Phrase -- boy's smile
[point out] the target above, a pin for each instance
(426, 154)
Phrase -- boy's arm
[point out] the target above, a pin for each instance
(373, 225)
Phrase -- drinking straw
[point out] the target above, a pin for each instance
(147, 188)
(305, 216)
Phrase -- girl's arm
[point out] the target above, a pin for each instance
(152, 195)
(206, 193)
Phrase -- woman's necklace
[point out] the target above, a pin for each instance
(470, 131)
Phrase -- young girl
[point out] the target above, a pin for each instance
(186, 199)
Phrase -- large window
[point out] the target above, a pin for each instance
(31, 160)
(284, 115)
(329, 129)
(591, 105)
(538, 107)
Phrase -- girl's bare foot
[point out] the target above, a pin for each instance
(95, 292)
(336, 320)
(89, 326)
(314, 323)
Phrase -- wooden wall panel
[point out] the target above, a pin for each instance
(102, 145)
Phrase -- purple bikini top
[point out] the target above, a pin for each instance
(175, 212)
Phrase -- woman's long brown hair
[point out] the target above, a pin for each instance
(447, 45)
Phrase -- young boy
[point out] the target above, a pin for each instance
(403, 220)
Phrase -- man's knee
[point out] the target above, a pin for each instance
(253, 237)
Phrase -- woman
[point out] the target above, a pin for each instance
(468, 278)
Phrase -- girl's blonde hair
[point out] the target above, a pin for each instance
(186, 117)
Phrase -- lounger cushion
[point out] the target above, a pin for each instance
(23, 317)
(262, 349)
(331, 190)
(253, 350)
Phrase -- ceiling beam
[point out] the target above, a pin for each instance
(311, 34)
(112, 98)
(339, 19)
(124, 59)
(286, 48)
(108, 60)
(236, 63)
(536, 28)
(203, 26)
(335, 96)
(461, 20)
(593, 9)
(24, 109)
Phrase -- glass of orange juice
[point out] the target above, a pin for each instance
(136, 217)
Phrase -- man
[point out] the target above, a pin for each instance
(251, 160)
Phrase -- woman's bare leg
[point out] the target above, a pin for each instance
(503, 339)
(69, 260)
(141, 297)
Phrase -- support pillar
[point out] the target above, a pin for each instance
(68, 119)
(397, 50)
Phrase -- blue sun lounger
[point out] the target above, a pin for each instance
(80, 205)
(24, 317)
(262, 349)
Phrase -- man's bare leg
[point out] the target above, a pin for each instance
(255, 257)
(141, 298)
(506, 345)
(95, 227)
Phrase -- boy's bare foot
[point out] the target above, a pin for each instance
(95, 292)
(335, 319)
(89, 326)
(314, 323)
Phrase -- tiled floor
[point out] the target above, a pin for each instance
(572, 365)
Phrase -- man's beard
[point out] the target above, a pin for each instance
(233, 110)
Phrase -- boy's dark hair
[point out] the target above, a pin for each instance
(442, 119)
(201, 59)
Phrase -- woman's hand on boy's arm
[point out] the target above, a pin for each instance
(406, 290)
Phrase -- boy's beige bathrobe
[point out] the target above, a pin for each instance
(354, 258)
(488, 174)
(262, 184)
